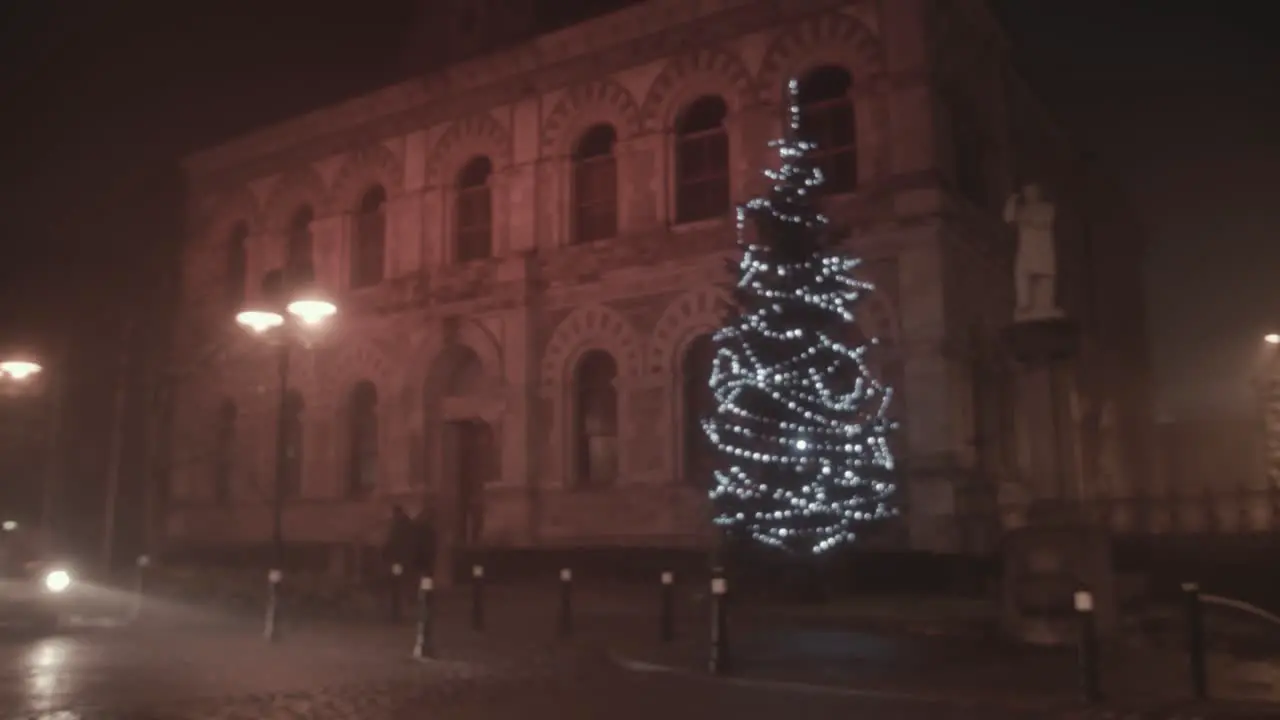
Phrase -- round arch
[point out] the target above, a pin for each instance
(582, 106)
(303, 187)
(591, 327)
(688, 77)
(478, 135)
(365, 168)
(832, 39)
(689, 315)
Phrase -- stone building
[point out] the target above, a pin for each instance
(529, 250)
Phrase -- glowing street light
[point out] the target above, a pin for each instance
(300, 310)
(19, 370)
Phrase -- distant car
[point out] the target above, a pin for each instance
(33, 588)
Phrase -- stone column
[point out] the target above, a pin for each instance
(329, 239)
(1048, 441)
(404, 235)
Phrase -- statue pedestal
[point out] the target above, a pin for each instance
(1047, 436)
(1043, 568)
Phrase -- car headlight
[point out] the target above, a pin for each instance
(57, 580)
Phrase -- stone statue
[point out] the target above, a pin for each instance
(1035, 266)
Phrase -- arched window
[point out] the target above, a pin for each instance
(826, 118)
(702, 161)
(362, 440)
(595, 420)
(299, 261)
(369, 246)
(237, 264)
(224, 451)
(466, 373)
(697, 402)
(474, 211)
(292, 441)
(595, 186)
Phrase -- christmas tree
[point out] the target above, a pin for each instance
(800, 421)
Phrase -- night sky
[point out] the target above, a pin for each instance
(101, 99)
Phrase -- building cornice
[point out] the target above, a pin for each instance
(651, 31)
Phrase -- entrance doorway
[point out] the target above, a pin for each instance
(470, 460)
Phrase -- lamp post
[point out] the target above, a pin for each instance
(292, 313)
(22, 371)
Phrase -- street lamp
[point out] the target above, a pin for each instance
(19, 372)
(291, 314)
(19, 369)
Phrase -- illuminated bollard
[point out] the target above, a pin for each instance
(397, 573)
(667, 608)
(477, 598)
(140, 586)
(271, 630)
(566, 602)
(719, 663)
(422, 647)
(1090, 688)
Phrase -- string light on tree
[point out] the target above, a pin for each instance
(800, 420)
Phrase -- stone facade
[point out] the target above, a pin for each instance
(939, 143)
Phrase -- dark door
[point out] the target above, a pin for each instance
(470, 459)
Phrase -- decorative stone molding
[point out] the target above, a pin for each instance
(478, 135)
(591, 327)
(301, 187)
(686, 78)
(823, 40)
(691, 314)
(585, 105)
(372, 165)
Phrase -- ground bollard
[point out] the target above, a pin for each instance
(422, 646)
(477, 598)
(140, 586)
(719, 662)
(397, 574)
(566, 603)
(1195, 640)
(271, 629)
(1090, 687)
(667, 608)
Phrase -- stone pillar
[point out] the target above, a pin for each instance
(1047, 437)
(404, 235)
(328, 238)
(434, 242)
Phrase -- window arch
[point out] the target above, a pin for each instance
(827, 119)
(291, 439)
(696, 403)
(369, 249)
(362, 440)
(237, 264)
(224, 451)
(595, 185)
(595, 419)
(474, 232)
(299, 259)
(702, 160)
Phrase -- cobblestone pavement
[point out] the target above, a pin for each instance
(224, 671)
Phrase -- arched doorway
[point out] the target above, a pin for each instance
(462, 450)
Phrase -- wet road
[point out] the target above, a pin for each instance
(212, 674)
(223, 672)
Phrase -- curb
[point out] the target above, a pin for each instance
(633, 665)
(1064, 710)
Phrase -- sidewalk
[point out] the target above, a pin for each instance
(960, 672)
(780, 647)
